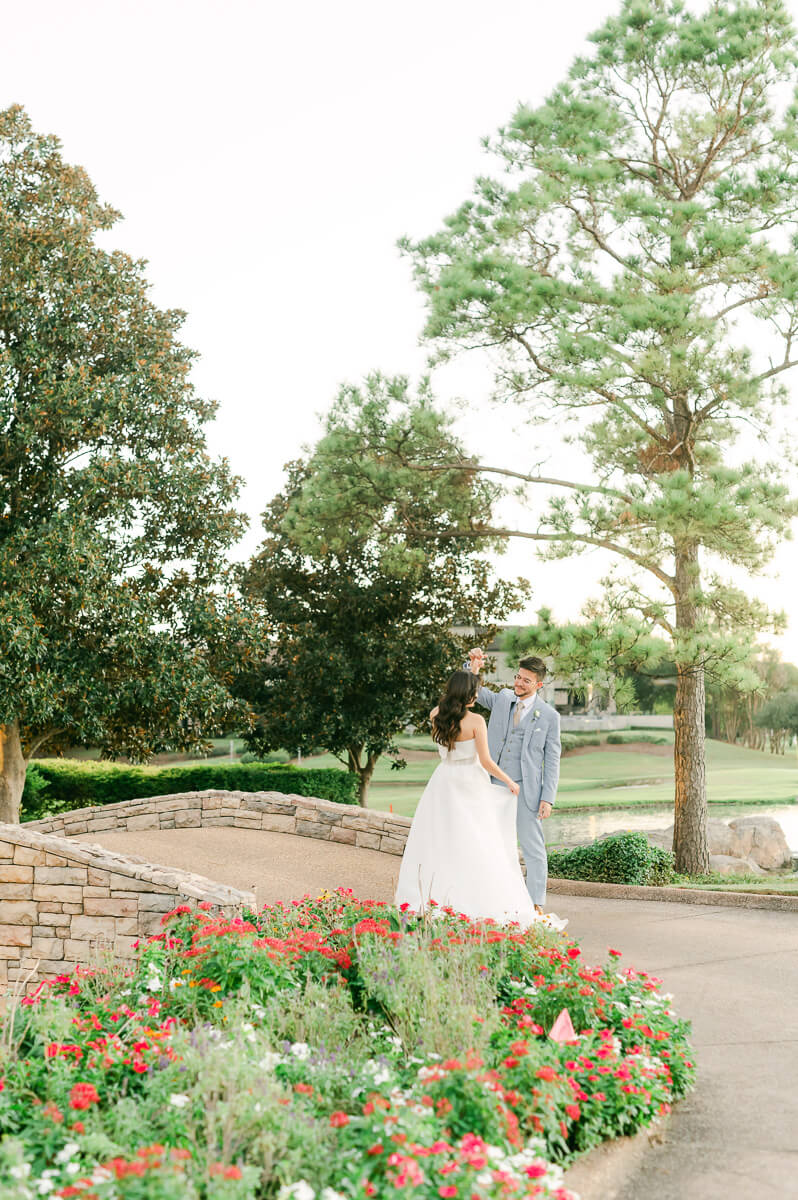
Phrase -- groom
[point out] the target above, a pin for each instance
(524, 739)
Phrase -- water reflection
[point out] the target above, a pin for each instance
(568, 829)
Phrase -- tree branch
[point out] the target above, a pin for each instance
(585, 539)
(484, 469)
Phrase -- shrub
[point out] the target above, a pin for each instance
(620, 858)
(618, 739)
(571, 741)
(33, 798)
(70, 784)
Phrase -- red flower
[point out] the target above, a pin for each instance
(338, 1120)
(535, 1170)
(616, 953)
(83, 1095)
(545, 1073)
(377, 1148)
(573, 1111)
(447, 1191)
(574, 952)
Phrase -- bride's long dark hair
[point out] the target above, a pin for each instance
(461, 689)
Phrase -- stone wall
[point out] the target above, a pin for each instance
(62, 902)
(273, 811)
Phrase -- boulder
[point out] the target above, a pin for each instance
(762, 839)
(752, 842)
(723, 840)
(730, 864)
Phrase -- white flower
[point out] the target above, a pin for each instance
(44, 1186)
(301, 1190)
(300, 1050)
(175, 983)
(72, 1168)
(179, 1099)
(66, 1152)
(22, 1171)
(267, 1063)
(536, 713)
(331, 1194)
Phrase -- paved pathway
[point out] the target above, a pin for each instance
(733, 972)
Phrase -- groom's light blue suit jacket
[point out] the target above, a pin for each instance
(540, 759)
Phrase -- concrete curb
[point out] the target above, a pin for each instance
(673, 895)
(604, 1171)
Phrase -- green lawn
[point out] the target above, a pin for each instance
(607, 779)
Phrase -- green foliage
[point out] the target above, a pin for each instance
(72, 785)
(34, 799)
(572, 741)
(621, 739)
(779, 716)
(357, 637)
(621, 858)
(116, 615)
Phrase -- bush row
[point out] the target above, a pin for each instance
(618, 739)
(620, 858)
(58, 785)
(570, 741)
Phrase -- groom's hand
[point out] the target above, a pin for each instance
(476, 659)
(544, 810)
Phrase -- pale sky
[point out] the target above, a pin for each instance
(266, 157)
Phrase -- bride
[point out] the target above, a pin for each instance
(461, 850)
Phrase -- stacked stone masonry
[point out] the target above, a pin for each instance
(65, 903)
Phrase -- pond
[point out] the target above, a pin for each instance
(568, 828)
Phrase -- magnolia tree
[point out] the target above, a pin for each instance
(632, 269)
(113, 518)
(358, 634)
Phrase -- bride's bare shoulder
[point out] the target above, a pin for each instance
(472, 721)
(434, 713)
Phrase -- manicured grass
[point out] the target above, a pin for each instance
(617, 778)
(784, 885)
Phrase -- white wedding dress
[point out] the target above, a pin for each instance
(462, 850)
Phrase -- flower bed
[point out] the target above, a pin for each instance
(332, 1048)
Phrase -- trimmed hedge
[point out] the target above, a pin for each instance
(58, 785)
(619, 739)
(620, 858)
(572, 741)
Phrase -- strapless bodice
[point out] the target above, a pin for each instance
(461, 755)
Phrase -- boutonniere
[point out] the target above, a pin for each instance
(536, 713)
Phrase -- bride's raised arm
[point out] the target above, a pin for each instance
(481, 739)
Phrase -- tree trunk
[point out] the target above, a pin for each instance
(12, 773)
(689, 717)
(364, 771)
(364, 776)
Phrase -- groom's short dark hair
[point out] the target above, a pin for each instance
(536, 666)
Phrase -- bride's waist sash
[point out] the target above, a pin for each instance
(460, 762)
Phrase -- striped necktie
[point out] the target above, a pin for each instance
(517, 714)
